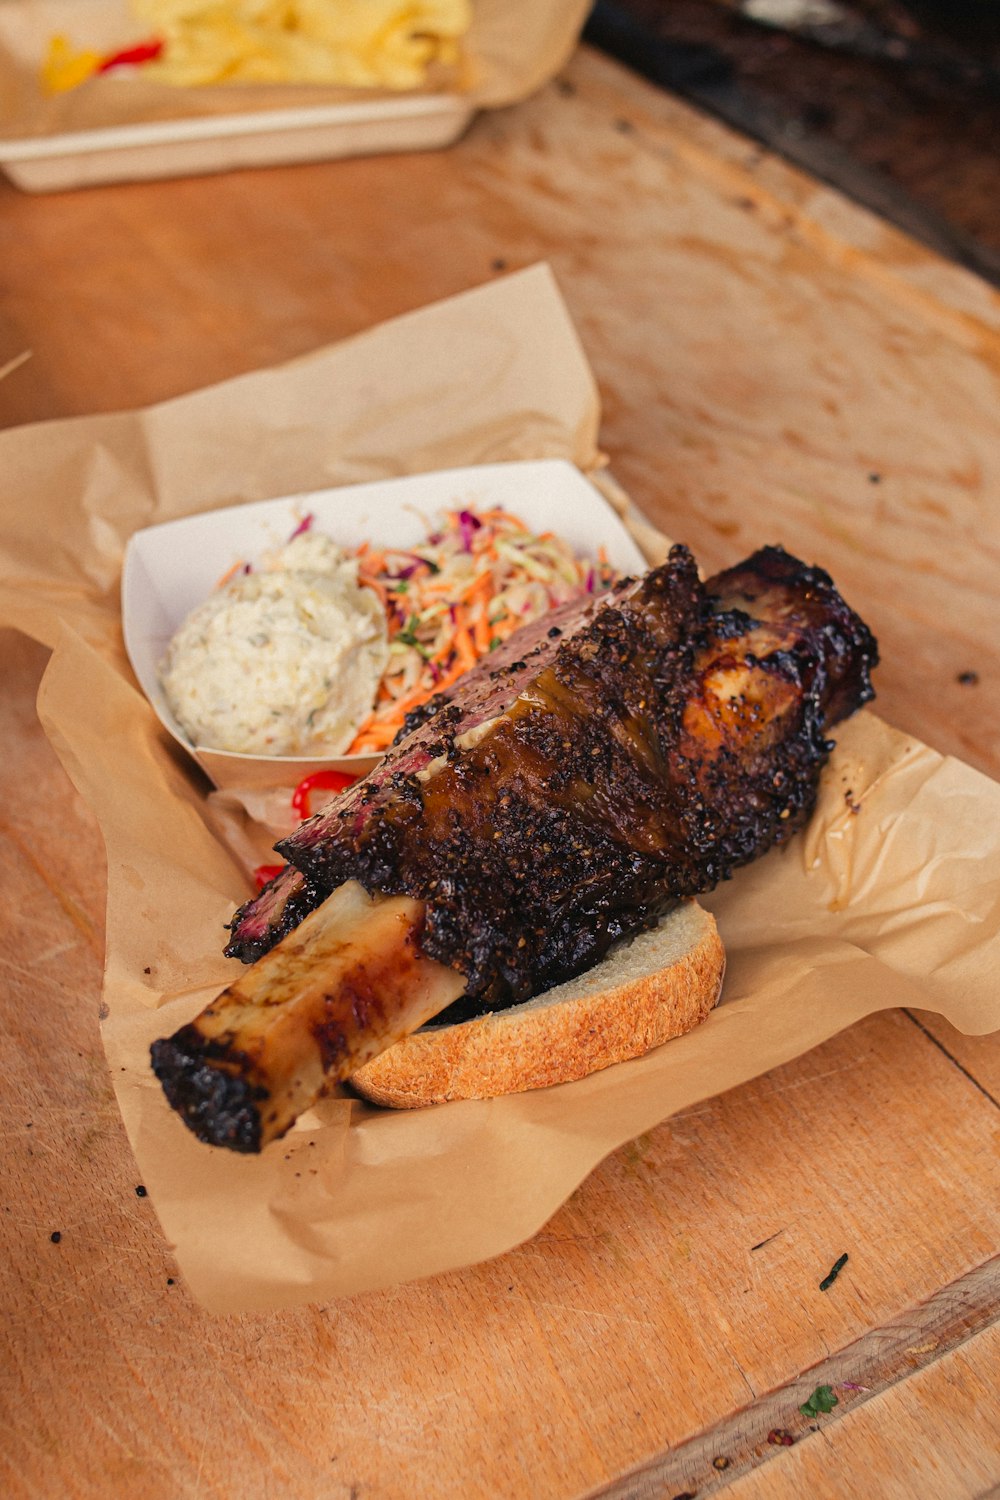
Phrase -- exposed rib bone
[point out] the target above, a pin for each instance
(341, 987)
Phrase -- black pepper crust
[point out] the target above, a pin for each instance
(282, 904)
(221, 1105)
(640, 754)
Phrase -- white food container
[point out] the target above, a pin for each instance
(169, 569)
(138, 149)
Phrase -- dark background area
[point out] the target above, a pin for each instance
(897, 104)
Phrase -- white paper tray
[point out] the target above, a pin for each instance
(170, 569)
(199, 143)
(181, 148)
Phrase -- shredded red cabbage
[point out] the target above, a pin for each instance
(468, 525)
(304, 525)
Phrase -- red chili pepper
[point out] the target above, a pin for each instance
(327, 781)
(265, 873)
(130, 56)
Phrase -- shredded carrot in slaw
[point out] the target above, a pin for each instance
(451, 600)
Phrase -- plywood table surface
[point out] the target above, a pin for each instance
(774, 364)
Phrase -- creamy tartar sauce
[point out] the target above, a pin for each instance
(283, 660)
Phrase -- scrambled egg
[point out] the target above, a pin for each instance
(283, 660)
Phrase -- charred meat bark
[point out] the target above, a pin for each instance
(614, 760)
(280, 907)
(606, 762)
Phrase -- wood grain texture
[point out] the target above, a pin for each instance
(915, 143)
(902, 1445)
(763, 351)
(979, 1056)
(859, 1373)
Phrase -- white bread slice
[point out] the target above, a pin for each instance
(654, 987)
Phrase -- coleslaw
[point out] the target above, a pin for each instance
(453, 599)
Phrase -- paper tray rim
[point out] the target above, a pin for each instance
(252, 122)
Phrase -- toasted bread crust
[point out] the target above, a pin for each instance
(657, 987)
